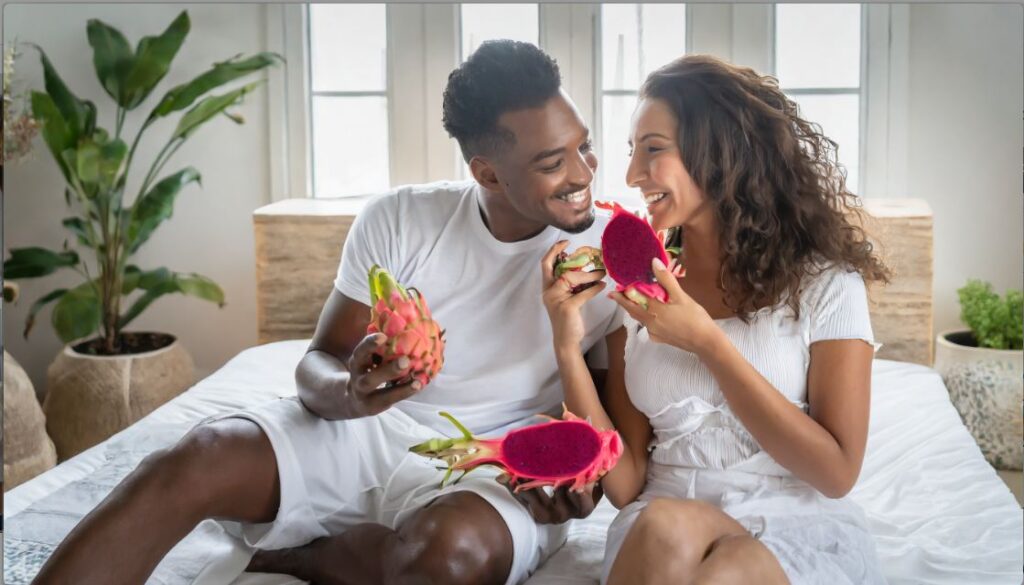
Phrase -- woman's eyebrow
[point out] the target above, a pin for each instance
(648, 135)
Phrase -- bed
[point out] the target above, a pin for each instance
(939, 512)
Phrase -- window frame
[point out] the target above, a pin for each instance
(425, 44)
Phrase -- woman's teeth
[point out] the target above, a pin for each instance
(653, 198)
(576, 197)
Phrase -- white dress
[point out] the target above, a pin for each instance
(702, 451)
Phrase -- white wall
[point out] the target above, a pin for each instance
(211, 230)
(966, 96)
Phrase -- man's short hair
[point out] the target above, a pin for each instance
(500, 76)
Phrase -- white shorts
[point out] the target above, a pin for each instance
(337, 474)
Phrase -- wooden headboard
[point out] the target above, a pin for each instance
(299, 241)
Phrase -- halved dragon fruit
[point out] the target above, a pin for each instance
(561, 452)
(628, 244)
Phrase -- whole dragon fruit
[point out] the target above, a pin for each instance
(561, 452)
(628, 244)
(403, 316)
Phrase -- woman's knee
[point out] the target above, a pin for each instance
(674, 527)
(457, 539)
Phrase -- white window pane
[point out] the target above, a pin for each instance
(817, 45)
(839, 117)
(620, 46)
(482, 22)
(616, 111)
(348, 47)
(664, 35)
(350, 145)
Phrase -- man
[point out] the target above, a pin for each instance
(324, 485)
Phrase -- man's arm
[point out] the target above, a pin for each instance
(337, 378)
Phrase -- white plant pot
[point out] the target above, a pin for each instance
(89, 397)
(987, 388)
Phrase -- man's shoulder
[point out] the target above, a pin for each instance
(419, 200)
(438, 193)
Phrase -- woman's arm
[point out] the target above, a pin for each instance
(825, 449)
(625, 481)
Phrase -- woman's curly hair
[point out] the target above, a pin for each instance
(779, 195)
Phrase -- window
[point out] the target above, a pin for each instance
(635, 40)
(481, 22)
(818, 64)
(368, 114)
(349, 99)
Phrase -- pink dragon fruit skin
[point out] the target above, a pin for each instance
(628, 244)
(568, 452)
(404, 317)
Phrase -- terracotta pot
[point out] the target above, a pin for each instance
(89, 397)
(28, 450)
(987, 387)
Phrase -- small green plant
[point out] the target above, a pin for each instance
(997, 323)
(95, 163)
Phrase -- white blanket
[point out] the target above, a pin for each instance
(937, 509)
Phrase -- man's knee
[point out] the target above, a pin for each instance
(226, 468)
(459, 538)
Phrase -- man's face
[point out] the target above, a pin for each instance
(546, 176)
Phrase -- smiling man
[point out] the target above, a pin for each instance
(323, 485)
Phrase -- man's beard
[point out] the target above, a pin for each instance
(580, 227)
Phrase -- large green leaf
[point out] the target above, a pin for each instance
(162, 281)
(53, 128)
(34, 262)
(112, 155)
(153, 59)
(185, 94)
(155, 206)
(30, 321)
(208, 108)
(79, 115)
(88, 162)
(77, 313)
(112, 56)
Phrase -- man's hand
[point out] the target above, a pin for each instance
(372, 388)
(561, 506)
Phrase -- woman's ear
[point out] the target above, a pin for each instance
(484, 173)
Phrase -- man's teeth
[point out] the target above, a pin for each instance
(576, 197)
(653, 198)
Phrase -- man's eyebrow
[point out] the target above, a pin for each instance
(552, 152)
(547, 153)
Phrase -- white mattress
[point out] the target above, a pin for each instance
(939, 513)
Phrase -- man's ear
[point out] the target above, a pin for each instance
(484, 174)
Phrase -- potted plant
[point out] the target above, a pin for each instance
(86, 397)
(983, 367)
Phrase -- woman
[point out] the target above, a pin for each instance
(743, 400)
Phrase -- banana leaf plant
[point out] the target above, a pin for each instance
(107, 227)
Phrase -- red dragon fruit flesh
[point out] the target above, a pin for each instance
(557, 453)
(628, 245)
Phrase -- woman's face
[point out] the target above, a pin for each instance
(656, 168)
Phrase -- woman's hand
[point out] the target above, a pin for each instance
(680, 322)
(562, 304)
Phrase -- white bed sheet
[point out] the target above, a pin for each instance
(939, 512)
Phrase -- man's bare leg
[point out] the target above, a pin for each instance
(226, 469)
(459, 538)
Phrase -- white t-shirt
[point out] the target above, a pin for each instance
(693, 425)
(499, 365)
